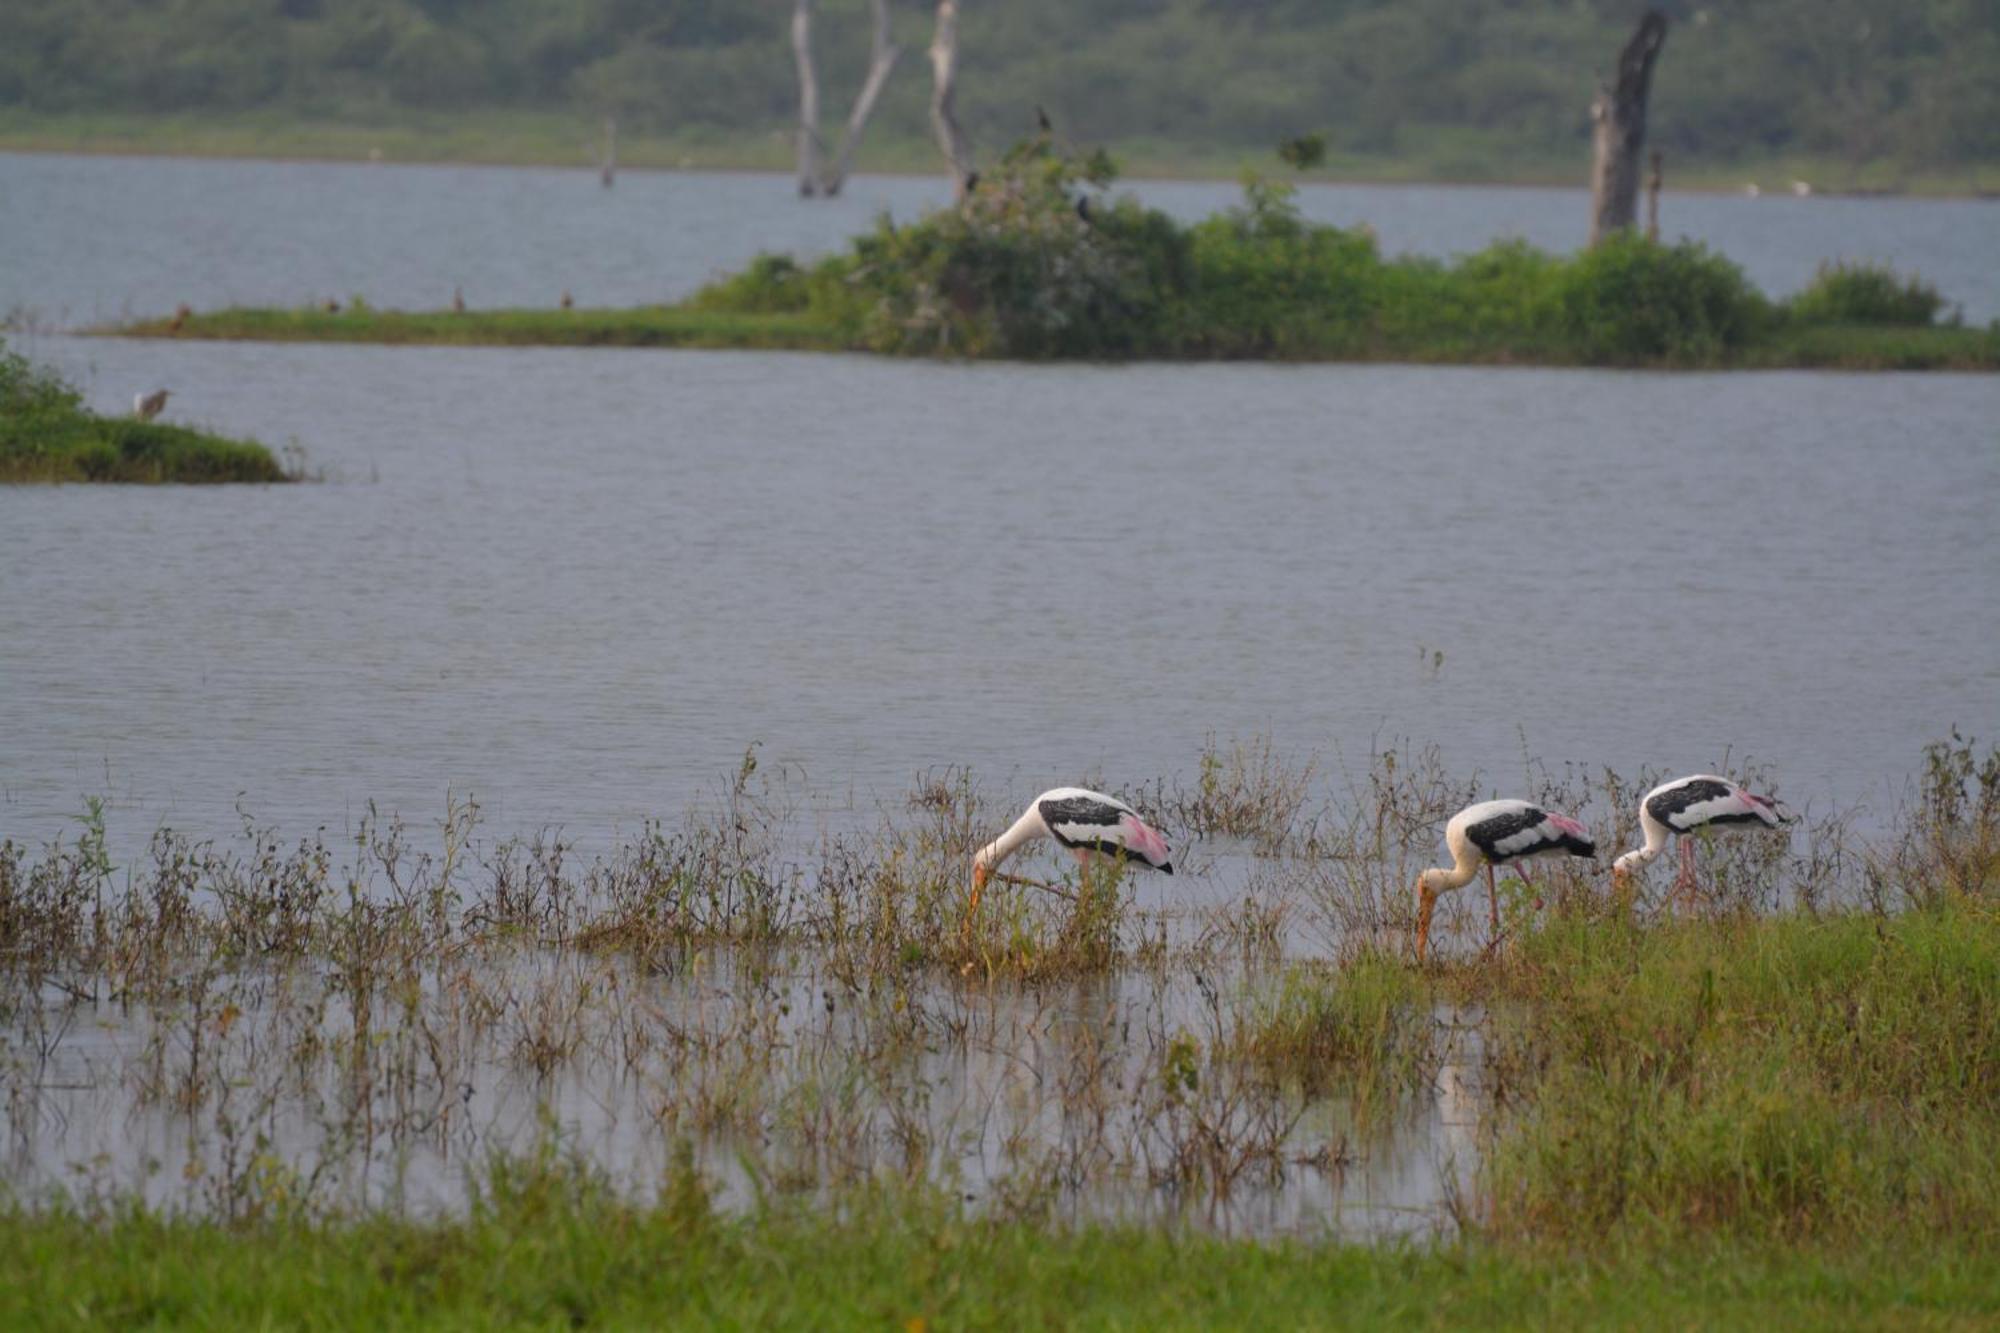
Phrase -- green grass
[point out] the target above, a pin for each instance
(1831, 347)
(561, 1256)
(46, 435)
(640, 326)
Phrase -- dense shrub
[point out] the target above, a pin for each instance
(1863, 293)
(1040, 261)
(1634, 300)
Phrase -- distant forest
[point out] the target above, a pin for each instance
(1914, 82)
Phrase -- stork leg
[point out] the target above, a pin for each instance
(1493, 902)
(1686, 882)
(1521, 869)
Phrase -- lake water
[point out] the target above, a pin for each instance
(91, 239)
(577, 584)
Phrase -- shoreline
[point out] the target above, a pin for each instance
(311, 144)
(1855, 348)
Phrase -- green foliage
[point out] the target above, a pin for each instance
(1038, 263)
(1634, 300)
(1864, 293)
(1303, 152)
(1793, 1078)
(1475, 87)
(46, 435)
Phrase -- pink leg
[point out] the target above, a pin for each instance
(1686, 882)
(1521, 869)
(1493, 901)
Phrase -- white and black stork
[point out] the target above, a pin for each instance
(1496, 833)
(1089, 823)
(1689, 805)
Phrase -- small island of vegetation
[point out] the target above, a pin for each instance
(1041, 261)
(47, 435)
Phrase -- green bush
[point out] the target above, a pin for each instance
(1863, 293)
(1629, 299)
(47, 435)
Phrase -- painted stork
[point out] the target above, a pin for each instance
(146, 406)
(1685, 806)
(1495, 833)
(1089, 823)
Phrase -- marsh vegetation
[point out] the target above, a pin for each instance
(742, 1017)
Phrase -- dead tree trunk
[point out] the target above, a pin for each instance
(808, 134)
(882, 57)
(944, 78)
(1619, 137)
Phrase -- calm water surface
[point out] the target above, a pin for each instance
(578, 583)
(92, 239)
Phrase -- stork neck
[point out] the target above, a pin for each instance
(1026, 828)
(1656, 842)
(1464, 865)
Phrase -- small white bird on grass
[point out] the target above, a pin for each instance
(1089, 823)
(146, 406)
(1495, 833)
(1688, 805)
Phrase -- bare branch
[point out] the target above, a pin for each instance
(808, 133)
(881, 59)
(944, 77)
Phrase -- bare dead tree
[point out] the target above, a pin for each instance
(1619, 135)
(944, 79)
(808, 134)
(882, 57)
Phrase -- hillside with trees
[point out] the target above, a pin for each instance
(1472, 89)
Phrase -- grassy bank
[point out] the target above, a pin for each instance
(46, 435)
(1042, 262)
(1834, 347)
(638, 326)
(556, 1253)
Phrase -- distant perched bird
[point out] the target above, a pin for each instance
(181, 313)
(146, 406)
(1042, 119)
(331, 306)
(1688, 805)
(1496, 833)
(458, 299)
(1088, 823)
(567, 299)
(1801, 188)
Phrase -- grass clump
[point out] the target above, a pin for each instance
(46, 435)
(1831, 1079)
(1864, 293)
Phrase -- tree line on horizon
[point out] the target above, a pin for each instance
(1860, 81)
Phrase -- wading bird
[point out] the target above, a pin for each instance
(1089, 823)
(1495, 833)
(146, 406)
(1685, 806)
